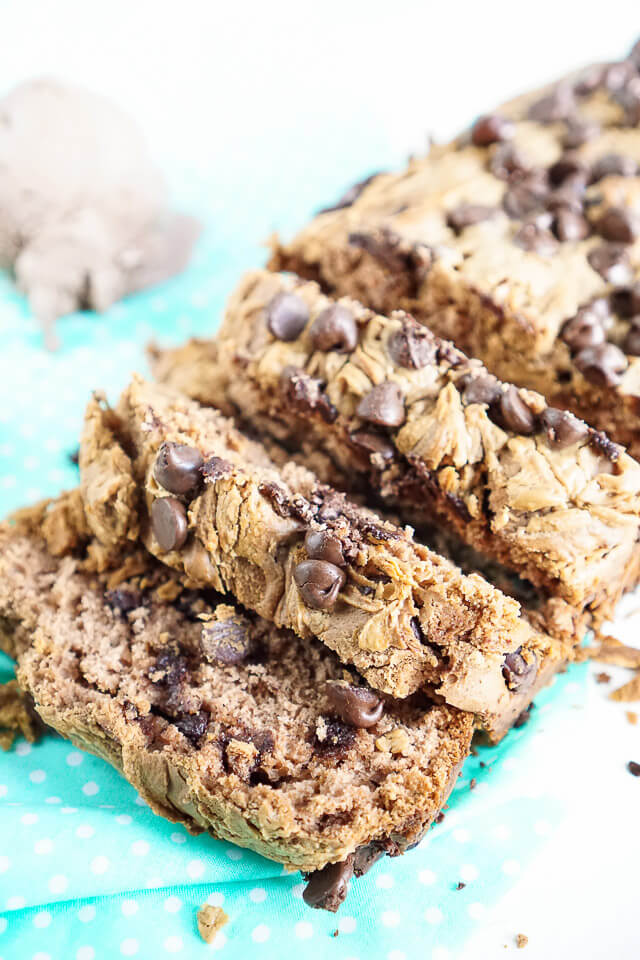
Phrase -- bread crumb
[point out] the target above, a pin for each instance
(603, 677)
(15, 716)
(521, 941)
(632, 717)
(396, 741)
(210, 920)
(629, 692)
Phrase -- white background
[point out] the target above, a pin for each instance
(213, 84)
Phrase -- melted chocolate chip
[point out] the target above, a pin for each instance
(491, 129)
(358, 706)
(563, 429)
(319, 583)
(570, 227)
(513, 413)
(618, 225)
(524, 199)
(613, 165)
(322, 545)
(334, 329)
(626, 300)
(123, 600)
(352, 194)
(326, 889)
(481, 389)
(557, 105)
(225, 641)
(611, 261)
(178, 468)
(507, 163)
(535, 239)
(586, 329)
(567, 166)
(338, 737)
(518, 674)
(467, 215)
(287, 316)
(192, 725)
(378, 447)
(383, 405)
(306, 393)
(169, 523)
(365, 857)
(412, 346)
(602, 365)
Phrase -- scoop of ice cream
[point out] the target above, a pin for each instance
(83, 214)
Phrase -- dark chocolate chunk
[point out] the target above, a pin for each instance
(618, 225)
(352, 194)
(287, 316)
(633, 768)
(468, 214)
(514, 414)
(356, 705)
(322, 545)
(507, 163)
(632, 340)
(337, 737)
(383, 405)
(326, 889)
(569, 226)
(586, 329)
(611, 261)
(225, 641)
(412, 346)
(602, 365)
(557, 105)
(306, 393)
(481, 389)
(378, 447)
(365, 857)
(518, 674)
(491, 129)
(123, 600)
(563, 429)
(334, 329)
(319, 582)
(523, 199)
(178, 468)
(613, 165)
(626, 300)
(214, 468)
(169, 523)
(579, 131)
(536, 239)
(192, 725)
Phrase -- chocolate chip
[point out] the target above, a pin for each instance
(365, 857)
(123, 600)
(626, 300)
(334, 329)
(169, 670)
(586, 329)
(604, 445)
(412, 346)
(514, 414)
(216, 467)
(633, 768)
(613, 165)
(506, 162)
(563, 429)
(602, 365)
(378, 447)
(491, 129)
(569, 195)
(326, 889)
(535, 239)
(569, 226)
(322, 545)
(611, 261)
(383, 405)
(632, 340)
(225, 641)
(557, 105)
(618, 225)
(468, 214)
(480, 389)
(306, 393)
(287, 316)
(177, 468)
(319, 582)
(192, 725)
(352, 194)
(337, 737)
(523, 199)
(579, 131)
(567, 166)
(169, 523)
(358, 706)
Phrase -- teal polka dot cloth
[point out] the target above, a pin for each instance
(87, 871)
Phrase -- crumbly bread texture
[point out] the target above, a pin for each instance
(531, 487)
(520, 241)
(403, 615)
(250, 750)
